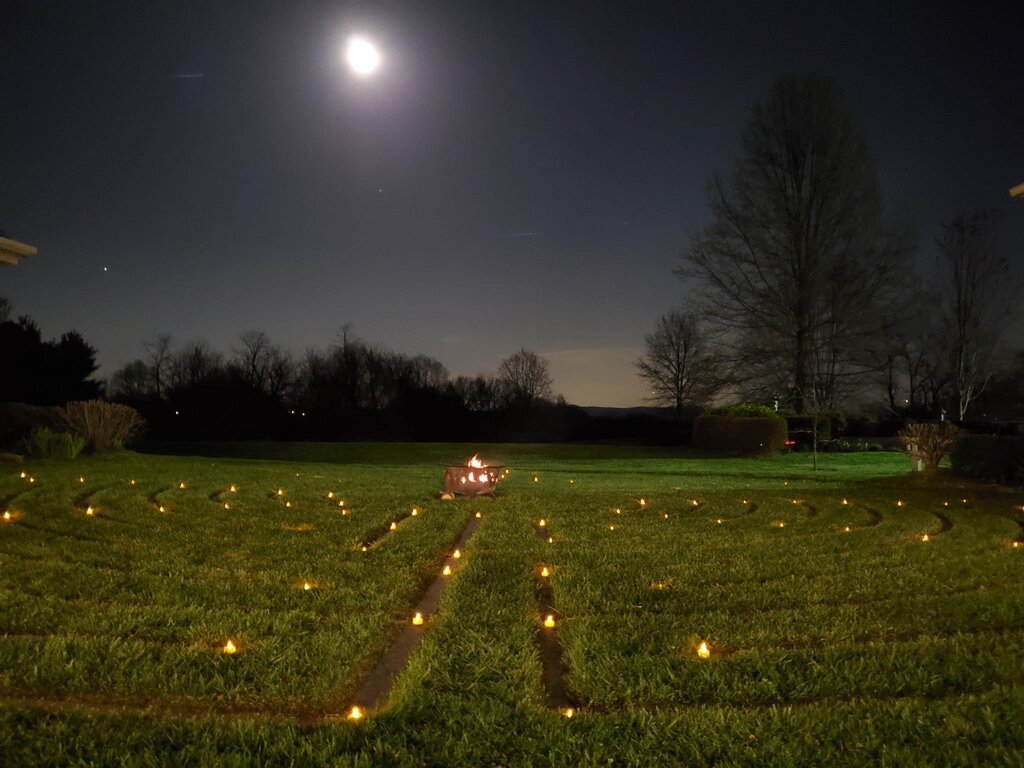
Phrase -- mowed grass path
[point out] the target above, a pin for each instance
(828, 646)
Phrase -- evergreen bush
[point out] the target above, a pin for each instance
(997, 458)
(45, 443)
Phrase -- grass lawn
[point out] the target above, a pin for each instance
(837, 635)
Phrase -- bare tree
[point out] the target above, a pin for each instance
(193, 363)
(798, 257)
(5, 310)
(976, 299)
(678, 363)
(526, 376)
(159, 353)
(132, 381)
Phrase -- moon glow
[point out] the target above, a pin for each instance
(362, 56)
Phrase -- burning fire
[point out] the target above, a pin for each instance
(475, 463)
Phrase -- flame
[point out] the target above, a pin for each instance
(229, 647)
(475, 463)
(446, 571)
(703, 650)
(549, 621)
(355, 713)
(417, 620)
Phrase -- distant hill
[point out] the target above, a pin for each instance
(598, 411)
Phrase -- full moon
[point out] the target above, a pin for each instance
(362, 56)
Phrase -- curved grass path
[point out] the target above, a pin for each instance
(836, 633)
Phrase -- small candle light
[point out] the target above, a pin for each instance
(1016, 545)
(549, 621)
(355, 713)
(8, 517)
(226, 505)
(31, 479)
(24, 474)
(536, 479)
(643, 502)
(845, 502)
(456, 554)
(694, 502)
(665, 515)
(925, 538)
(229, 648)
(330, 494)
(394, 526)
(161, 508)
(414, 512)
(846, 529)
(478, 515)
(288, 504)
(551, 540)
(703, 651)
(572, 482)
(89, 511)
(341, 503)
(945, 503)
(545, 572)
(306, 586)
(744, 501)
(280, 491)
(964, 501)
(618, 511)
(446, 571)
(81, 479)
(718, 520)
(131, 482)
(778, 524)
(569, 712)
(364, 547)
(233, 489)
(899, 503)
(417, 620)
(542, 522)
(611, 527)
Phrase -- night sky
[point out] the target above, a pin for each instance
(515, 174)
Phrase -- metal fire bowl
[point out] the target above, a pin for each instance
(458, 480)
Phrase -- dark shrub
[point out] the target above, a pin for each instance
(740, 435)
(998, 458)
(17, 421)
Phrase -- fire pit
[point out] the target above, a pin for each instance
(473, 478)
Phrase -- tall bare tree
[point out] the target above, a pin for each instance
(159, 353)
(526, 376)
(678, 362)
(976, 299)
(796, 263)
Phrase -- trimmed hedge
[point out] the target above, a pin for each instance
(803, 426)
(739, 435)
(997, 458)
